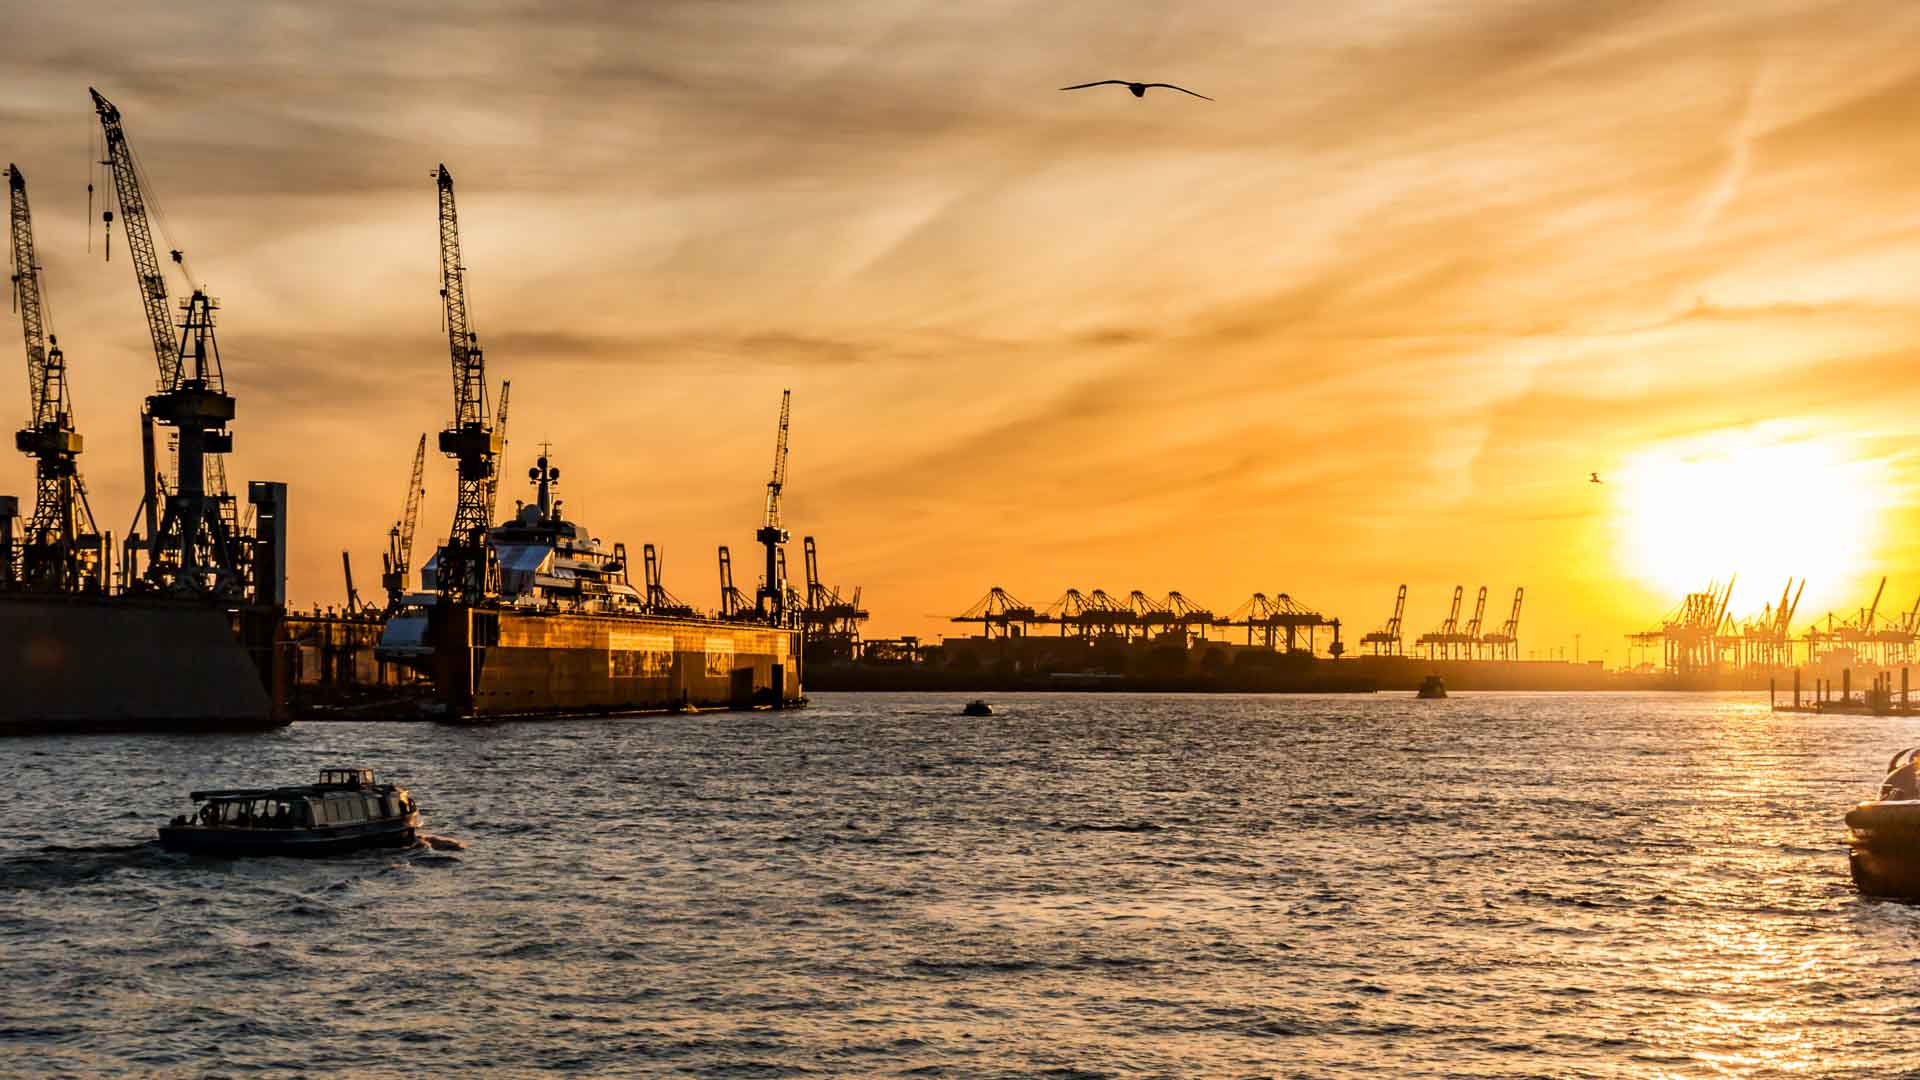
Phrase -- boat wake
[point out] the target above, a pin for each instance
(58, 865)
(442, 843)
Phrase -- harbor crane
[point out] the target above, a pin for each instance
(1473, 625)
(771, 599)
(1443, 642)
(470, 439)
(734, 605)
(193, 547)
(1504, 643)
(1386, 641)
(398, 559)
(832, 621)
(354, 604)
(500, 428)
(659, 600)
(62, 549)
(1000, 615)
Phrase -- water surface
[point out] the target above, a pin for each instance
(1083, 885)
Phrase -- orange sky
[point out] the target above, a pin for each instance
(1369, 318)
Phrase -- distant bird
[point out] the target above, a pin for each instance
(1139, 89)
(1593, 478)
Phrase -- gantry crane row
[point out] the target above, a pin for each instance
(770, 599)
(1386, 641)
(471, 439)
(398, 559)
(60, 550)
(194, 547)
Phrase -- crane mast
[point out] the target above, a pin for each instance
(771, 599)
(470, 440)
(399, 557)
(61, 551)
(193, 547)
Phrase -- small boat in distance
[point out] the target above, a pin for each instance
(977, 708)
(1432, 687)
(345, 811)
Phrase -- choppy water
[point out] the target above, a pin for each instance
(1082, 886)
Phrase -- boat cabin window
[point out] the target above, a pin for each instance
(247, 814)
(347, 777)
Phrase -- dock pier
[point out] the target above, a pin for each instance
(1877, 700)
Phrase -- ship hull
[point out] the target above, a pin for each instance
(90, 664)
(492, 663)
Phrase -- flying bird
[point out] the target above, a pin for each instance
(1593, 478)
(1139, 89)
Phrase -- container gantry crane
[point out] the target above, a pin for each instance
(771, 598)
(734, 605)
(192, 547)
(1386, 641)
(61, 551)
(1473, 644)
(1504, 643)
(659, 600)
(398, 559)
(471, 439)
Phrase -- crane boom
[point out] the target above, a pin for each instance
(470, 440)
(500, 426)
(779, 463)
(399, 557)
(139, 231)
(61, 550)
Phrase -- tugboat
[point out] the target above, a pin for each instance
(977, 708)
(1883, 836)
(1432, 687)
(345, 811)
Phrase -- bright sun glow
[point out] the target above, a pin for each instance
(1743, 503)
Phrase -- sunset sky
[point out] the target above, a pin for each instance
(1371, 317)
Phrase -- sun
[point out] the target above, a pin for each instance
(1759, 505)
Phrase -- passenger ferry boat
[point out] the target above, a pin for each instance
(345, 811)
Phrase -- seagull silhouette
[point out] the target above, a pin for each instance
(1139, 89)
(1593, 478)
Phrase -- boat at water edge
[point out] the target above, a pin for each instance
(1432, 687)
(345, 811)
(1883, 836)
(566, 632)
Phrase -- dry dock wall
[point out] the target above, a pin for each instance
(85, 664)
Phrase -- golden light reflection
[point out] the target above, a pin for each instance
(1763, 505)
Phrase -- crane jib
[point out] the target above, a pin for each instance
(139, 234)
